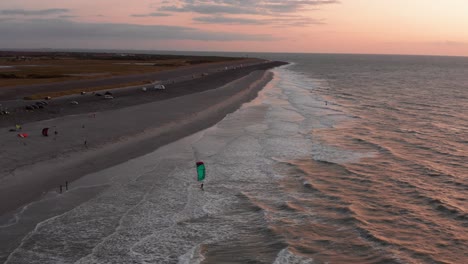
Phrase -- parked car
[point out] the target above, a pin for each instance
(74, 102)
(159, 87)
(107, 96)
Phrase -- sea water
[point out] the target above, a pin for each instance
(341, 159)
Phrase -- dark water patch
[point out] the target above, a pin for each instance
(310, 186)
(369, 236)
(372, 145)
(458, 189)
(254, 242)
(317, 192)
(349, 97)
(331, 165)
(446, 209)
(324, 244)
(443, 115)
(359, 179)
(341, 210)
(288, 207)
(409, 131)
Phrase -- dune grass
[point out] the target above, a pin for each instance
(42, 68)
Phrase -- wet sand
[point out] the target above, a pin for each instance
(115, 131)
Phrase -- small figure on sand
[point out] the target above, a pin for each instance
(17, 128)
(201, 173)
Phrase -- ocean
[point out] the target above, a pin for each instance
(340, 159)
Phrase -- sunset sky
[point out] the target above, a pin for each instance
(321, 26)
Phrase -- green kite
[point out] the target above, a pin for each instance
(201, 170)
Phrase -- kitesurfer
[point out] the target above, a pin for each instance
(200, 172)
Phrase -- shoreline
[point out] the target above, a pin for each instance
(140, 129)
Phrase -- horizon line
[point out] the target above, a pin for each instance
(211, 51)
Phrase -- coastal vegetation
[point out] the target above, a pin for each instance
(28, 68)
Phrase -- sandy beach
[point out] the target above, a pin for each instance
(98, 134)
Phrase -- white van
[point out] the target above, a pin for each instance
(159, 87)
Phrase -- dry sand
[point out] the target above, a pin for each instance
(34, 165)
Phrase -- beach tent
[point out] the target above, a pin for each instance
(201, 170)
(45, 132)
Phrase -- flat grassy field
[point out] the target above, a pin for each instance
(27, 68)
